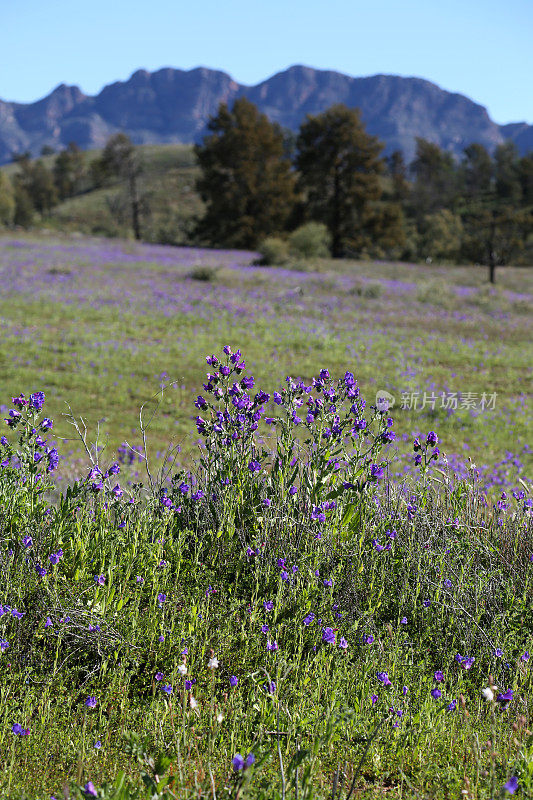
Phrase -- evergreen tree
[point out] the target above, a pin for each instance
(507, 173)
(246, 180)
(477, 172)
(386, 229)
(37, 181)
(339, 165)
(68, 171)
(495, 235)
(119, 161)
(435, 179)
(397, 170)
(496, 227)
(24, 210)
(525, 175)
(16, 158)
(7, 201)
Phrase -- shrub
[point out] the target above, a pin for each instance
(437, 293)
(274, 251)
(370, 290)
(311, 240)
(203, 272)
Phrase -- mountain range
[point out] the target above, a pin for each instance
(173, 106)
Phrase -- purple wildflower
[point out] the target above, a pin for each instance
(18, 730)
(237, 762)
(511, 786)
(383, 677)
(328, 635)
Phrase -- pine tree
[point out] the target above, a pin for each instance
(339, 165)
(24, 210)
(507, 174)
(496, 226)
(436, 179)
(119, 159)
(37, 181)
(495, 235)
(397, 170)
(246, 180)
(525, 174)
(7, 200)
(68, 171)
(477, 172)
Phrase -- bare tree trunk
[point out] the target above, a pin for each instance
(492, 255)
(135, 206)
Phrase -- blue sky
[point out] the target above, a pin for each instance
(481, 48)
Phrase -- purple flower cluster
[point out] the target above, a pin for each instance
(234, 413)
(13, 611)
(18, 730)
(129, 454)
(465, 662)
(41, 454)
(426, 451)
(239, 763)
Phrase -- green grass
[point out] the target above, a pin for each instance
(84, 321)
(95, 324)
(456, 579)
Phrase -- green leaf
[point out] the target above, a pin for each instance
(296, 760)
(162, 764)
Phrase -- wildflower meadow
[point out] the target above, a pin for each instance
(249, 546)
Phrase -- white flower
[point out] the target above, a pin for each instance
(213, 663)
(488, 694)
(182, 669)
(193, 702)
(220, 717)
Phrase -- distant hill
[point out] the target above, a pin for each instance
(173, 106)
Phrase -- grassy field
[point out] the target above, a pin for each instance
(304, 612)
(101, 325)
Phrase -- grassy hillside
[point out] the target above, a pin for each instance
(167, 186)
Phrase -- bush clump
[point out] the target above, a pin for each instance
(274, 251)
(369, 290)
(311, 240)
(203, 272)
